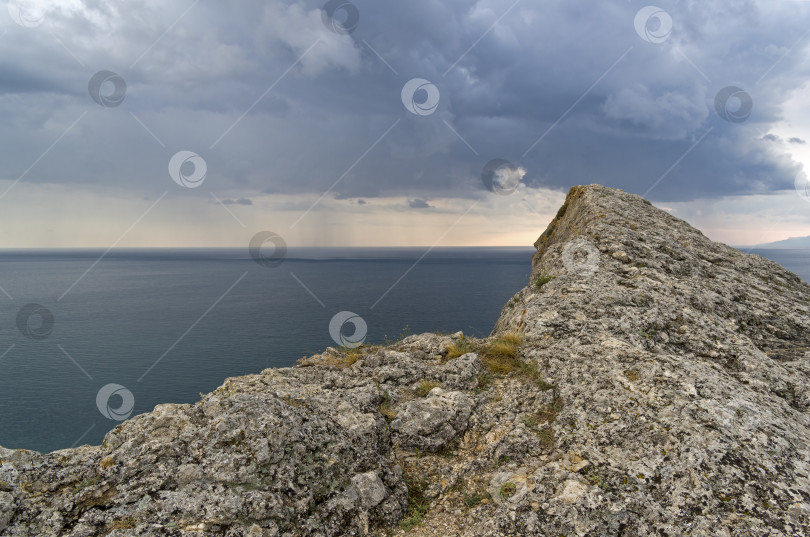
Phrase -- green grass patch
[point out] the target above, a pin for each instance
(385, 407)
(476, 499)
(542, 280)
(418, 504)
(561, 210)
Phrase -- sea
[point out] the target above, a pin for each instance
(89, 338)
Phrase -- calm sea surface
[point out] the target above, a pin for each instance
(164, 326)
(168, 325)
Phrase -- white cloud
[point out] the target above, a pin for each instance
(300, 29)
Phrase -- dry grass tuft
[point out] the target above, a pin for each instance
(424, 388)
(500, 357)
(460, 348)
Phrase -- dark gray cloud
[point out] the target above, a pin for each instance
(418, 204)
(273, 101)
(795, 140)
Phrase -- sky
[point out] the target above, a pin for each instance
(422, 123)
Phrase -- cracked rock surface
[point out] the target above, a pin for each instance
(647, 381)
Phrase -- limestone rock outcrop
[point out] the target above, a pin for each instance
(647, 381)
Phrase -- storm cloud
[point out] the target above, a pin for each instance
(279, 100)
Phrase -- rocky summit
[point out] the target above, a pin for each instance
(646, 381)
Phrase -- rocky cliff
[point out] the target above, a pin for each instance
(647, 381)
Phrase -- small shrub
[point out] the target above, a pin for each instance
(562, 209)
(542, 280)
(424, 388)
